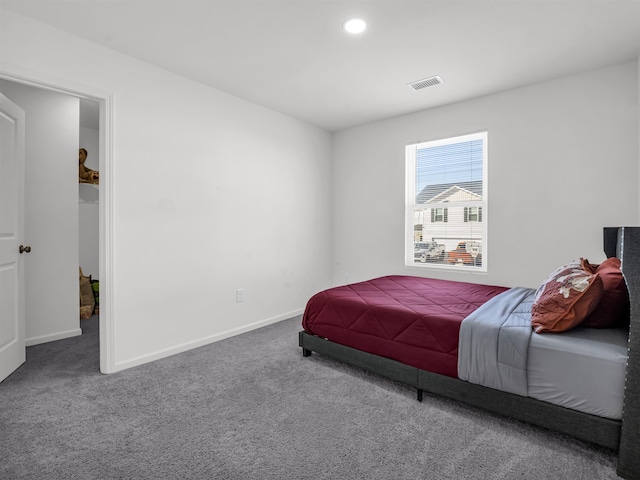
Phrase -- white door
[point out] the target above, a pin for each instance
(12, 317)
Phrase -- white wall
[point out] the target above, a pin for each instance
(88, 227)
(563, 163)
(210, 193)
(51, 212)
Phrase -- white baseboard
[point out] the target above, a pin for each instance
(134, 362)
(30, 342)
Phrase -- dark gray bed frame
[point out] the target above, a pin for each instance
(622, 436)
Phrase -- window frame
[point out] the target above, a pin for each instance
(414, 210)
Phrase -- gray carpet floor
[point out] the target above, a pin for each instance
(251, 407)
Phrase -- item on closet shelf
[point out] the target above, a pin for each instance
(87, 301)
(85, 174)
(95, 286)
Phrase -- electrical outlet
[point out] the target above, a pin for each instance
(240, 295)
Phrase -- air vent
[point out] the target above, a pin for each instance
(427, 82)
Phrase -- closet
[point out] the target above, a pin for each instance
(54, 207)
(88, 195)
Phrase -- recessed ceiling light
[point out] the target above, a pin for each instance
(355, 25)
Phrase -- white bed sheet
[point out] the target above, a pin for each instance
(582, 369)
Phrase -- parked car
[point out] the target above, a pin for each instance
(428, 252)
(466, 253)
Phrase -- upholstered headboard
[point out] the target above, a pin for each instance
(624, 242)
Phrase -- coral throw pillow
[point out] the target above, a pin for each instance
(566, 298)
(613, 309)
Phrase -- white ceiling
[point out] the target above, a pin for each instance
(292, 55)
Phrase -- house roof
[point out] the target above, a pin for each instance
(439, 192)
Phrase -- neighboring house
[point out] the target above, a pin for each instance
(450, 216)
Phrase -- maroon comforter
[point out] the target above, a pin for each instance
(413, 320)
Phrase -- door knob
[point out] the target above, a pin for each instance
(25, 249)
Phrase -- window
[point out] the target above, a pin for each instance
(472, 214)
(439, 215)
(447, 203)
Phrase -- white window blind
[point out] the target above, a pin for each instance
(446, 216)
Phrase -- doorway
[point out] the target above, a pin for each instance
(88, 212)
(99, 106)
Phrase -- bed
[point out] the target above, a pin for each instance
(475, 343)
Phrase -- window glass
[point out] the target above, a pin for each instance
(446, 203)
